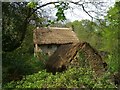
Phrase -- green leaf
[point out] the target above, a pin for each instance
(32, 4)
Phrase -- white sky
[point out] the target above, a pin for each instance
(80, 14)
(77, 13)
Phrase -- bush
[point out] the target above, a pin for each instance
(71, 78)
(19, 63)
(113, 63)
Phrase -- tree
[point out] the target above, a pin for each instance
(111, 36)
(17, 15)
(88, 31)
(14, 24)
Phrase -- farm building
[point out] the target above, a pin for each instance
(66, 45)
(47, 40)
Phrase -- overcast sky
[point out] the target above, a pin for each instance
(77, 13)
(80, 14)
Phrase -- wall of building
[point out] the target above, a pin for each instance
(48, 49)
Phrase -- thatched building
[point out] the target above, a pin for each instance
(65, 45)
(47, 40)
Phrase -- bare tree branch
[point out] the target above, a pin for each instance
(41, 7)
(100, 11)
(78, 3)
(82, 5)
(86, 11)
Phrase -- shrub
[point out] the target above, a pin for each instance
(113, 63)
(71, 78)
(18, 63)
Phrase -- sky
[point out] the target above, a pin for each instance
(77, 13)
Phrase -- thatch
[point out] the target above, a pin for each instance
(54, 35)
(62, 57)
(65, 54)
(95, 60)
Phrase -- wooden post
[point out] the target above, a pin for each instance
(36, 50)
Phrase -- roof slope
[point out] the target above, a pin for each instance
(65, 54)
(54, 35)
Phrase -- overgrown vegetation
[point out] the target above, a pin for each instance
(73, 77)
(22, 70)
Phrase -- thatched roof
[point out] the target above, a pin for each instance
(65, 54)
(62, 57)
(54, 35)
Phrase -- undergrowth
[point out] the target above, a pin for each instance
(71, 78)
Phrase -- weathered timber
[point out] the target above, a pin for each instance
(94, 59)
(62, 57)
(66, 53)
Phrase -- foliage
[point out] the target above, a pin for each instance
(83, 60)
(14, 24)
(62, 6)
(103, 41)
(88, 31)
(32, 4)
(113, 63)
(17, 16)
(101, 35)
(17, 36)
(73, 77)
(111, 37)
(21, 61)
(113, 14)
